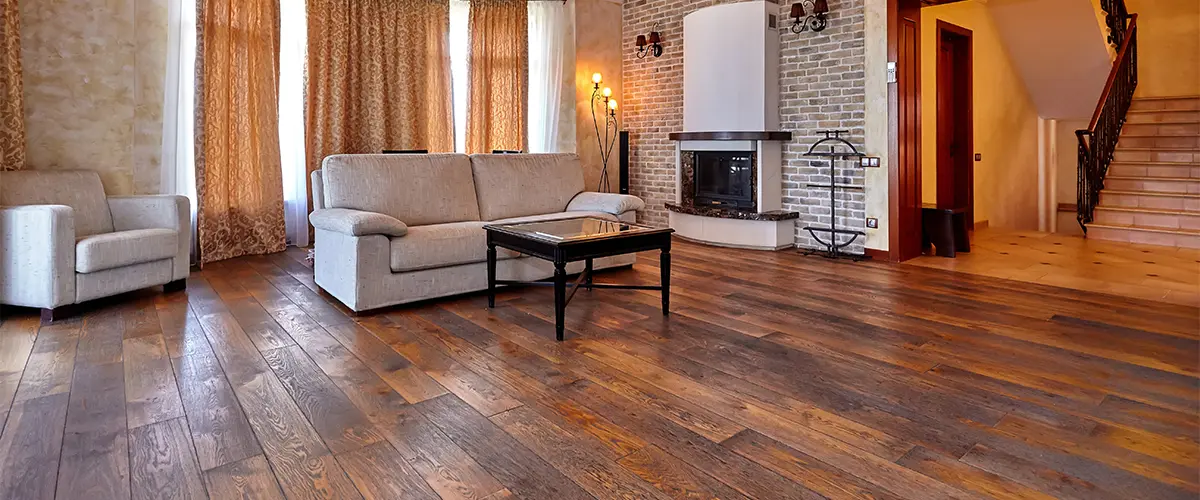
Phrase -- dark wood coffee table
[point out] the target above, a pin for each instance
(571, 240)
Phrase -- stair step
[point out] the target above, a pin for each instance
(1161, 129)
(1150, 200)
(1143, 217)
(1159, 141)
(1181, 185)
(1163, 116)
(1157, 155)
(1166, 102)
(1185, 238)
(1151, 169)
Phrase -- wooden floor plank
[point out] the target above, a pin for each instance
(406, 378)
(380, 472)
(52, 361)
(150, 390)
(342, 426)
(30, 446)
(220, 431)
(95, 450)
(181, 329)
(300, 460)
(674, 477)
(247, 478)
(16, 343)
(163, 462)
(522, 471)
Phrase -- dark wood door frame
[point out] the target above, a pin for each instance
(904, 127)
(955, 119)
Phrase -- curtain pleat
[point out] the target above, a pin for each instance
(497, 109)
(378, 77)
(238, 174)
(12, 101)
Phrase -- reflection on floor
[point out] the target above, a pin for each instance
(1158, 273)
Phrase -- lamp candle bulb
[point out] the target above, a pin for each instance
(596, 78)
(607, 92)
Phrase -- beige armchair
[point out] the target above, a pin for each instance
(63, 242)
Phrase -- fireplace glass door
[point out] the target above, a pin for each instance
(725, 179)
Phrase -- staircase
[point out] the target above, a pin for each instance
(1151, 192)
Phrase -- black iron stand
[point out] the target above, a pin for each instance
(833, 249)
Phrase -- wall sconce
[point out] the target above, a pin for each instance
(650, 45)
(816, 21)
(606, 136)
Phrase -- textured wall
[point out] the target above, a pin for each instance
(822, 87)
(94, 88)
(598, 49)
(1168, 47)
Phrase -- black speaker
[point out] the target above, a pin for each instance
(623, 173)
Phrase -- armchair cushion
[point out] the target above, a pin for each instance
(356, 222)
(79, 189)
(100, 252)
(172, 212)
(610, 203)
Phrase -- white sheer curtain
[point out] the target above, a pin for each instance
(179, 107)
(293, 47)
(460, 44)
(548, 32)
(547, 47)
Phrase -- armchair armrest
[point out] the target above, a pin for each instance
(165, 211)
(610, 203)
(356, 222)
(37, 255)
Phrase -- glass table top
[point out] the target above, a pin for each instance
(577, 229)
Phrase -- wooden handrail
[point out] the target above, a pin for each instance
(1122, 54)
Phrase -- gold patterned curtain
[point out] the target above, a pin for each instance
(378, 77)
(12, 112)
(497, 114)
(239, 178)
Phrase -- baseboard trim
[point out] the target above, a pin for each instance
(980, 225)
(874, 254)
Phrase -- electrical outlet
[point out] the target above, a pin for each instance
(875, 161)
(978, 156)
(872, 223)
(869, 161)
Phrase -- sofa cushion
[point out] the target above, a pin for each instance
(79, 189)
(520, 185)
(123, 248)
(416, 189)
(441, 245)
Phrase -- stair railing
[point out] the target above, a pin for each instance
(1098, 142)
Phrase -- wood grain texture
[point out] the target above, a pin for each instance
(220, 432)
(249, 478)
(792, 377)
(150, 390)
(30, 447)
(380, 472)
(162, 462)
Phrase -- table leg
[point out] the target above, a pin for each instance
(587, 271)
(664, 267)
(491, 270)
(560, 297)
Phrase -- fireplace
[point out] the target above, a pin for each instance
(724, 179)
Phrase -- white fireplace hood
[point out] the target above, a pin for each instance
(731, 68)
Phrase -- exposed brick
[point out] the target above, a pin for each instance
(822, 86)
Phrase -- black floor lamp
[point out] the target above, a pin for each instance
(608, 114)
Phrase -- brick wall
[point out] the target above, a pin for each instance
(822, 87)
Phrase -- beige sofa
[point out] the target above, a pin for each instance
(62, 241)
(393, 229)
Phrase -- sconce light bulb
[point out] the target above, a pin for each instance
(612, 104)
(607, 92)
(596, 78)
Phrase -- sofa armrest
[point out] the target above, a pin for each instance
(610, 203)
(37, 255)
(165, 211)
(356, 222)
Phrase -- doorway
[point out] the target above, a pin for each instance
(955, 120)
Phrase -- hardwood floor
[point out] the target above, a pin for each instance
(1151, 272)
(776, 376)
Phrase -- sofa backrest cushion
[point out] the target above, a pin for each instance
(416, 189)
(517, 185)
(79, 189)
